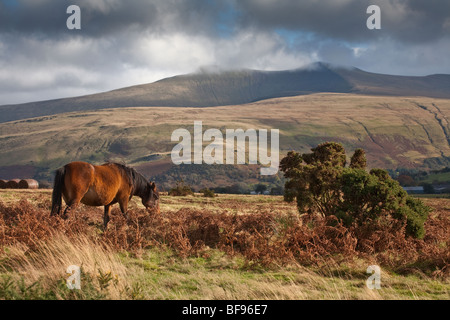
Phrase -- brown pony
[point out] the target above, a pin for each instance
(102, 185)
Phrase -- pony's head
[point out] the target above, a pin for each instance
(151, 197)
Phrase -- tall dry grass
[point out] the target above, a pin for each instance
(39, 247)
(47, 263)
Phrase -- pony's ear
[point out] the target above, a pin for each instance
(152, 185)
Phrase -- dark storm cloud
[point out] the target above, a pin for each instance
(326, 18)
(403, 20)
(101, 18)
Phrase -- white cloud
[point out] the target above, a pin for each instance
(79, 65)
(258, 50)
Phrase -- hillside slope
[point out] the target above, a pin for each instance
(394, 131)
(206, 89)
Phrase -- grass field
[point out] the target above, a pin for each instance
(227, 247)
(437, 178)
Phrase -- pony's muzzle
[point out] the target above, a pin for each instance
(153, 208)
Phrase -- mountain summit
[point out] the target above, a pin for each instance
(208, 88)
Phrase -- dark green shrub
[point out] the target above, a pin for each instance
(181, 189)
(416, 214)
(207, 193)
(260, 188)
(428, 188)
(321, 183)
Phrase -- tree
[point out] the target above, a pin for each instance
(358, 160)
(428, 188)
(260, 188)
(277, 190)
(406, 180)
(321, 183)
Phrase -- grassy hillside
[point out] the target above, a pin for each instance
(394, 131)
(219, 88)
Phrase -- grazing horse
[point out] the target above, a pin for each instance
(102, 185)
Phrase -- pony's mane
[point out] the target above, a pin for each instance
(136, 179)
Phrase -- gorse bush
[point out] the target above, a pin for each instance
(321, 183)
(206, 192)
(181, 189)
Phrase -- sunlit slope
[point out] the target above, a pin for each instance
(394, 131)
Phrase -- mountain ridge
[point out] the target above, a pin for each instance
(209, 88)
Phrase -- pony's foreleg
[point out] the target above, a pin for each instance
(106, 216)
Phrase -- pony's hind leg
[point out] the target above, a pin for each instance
(70, 208)
(106, 216)
(72, 199)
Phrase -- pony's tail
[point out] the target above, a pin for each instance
(57, 191)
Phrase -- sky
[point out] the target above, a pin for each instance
(128, 42)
